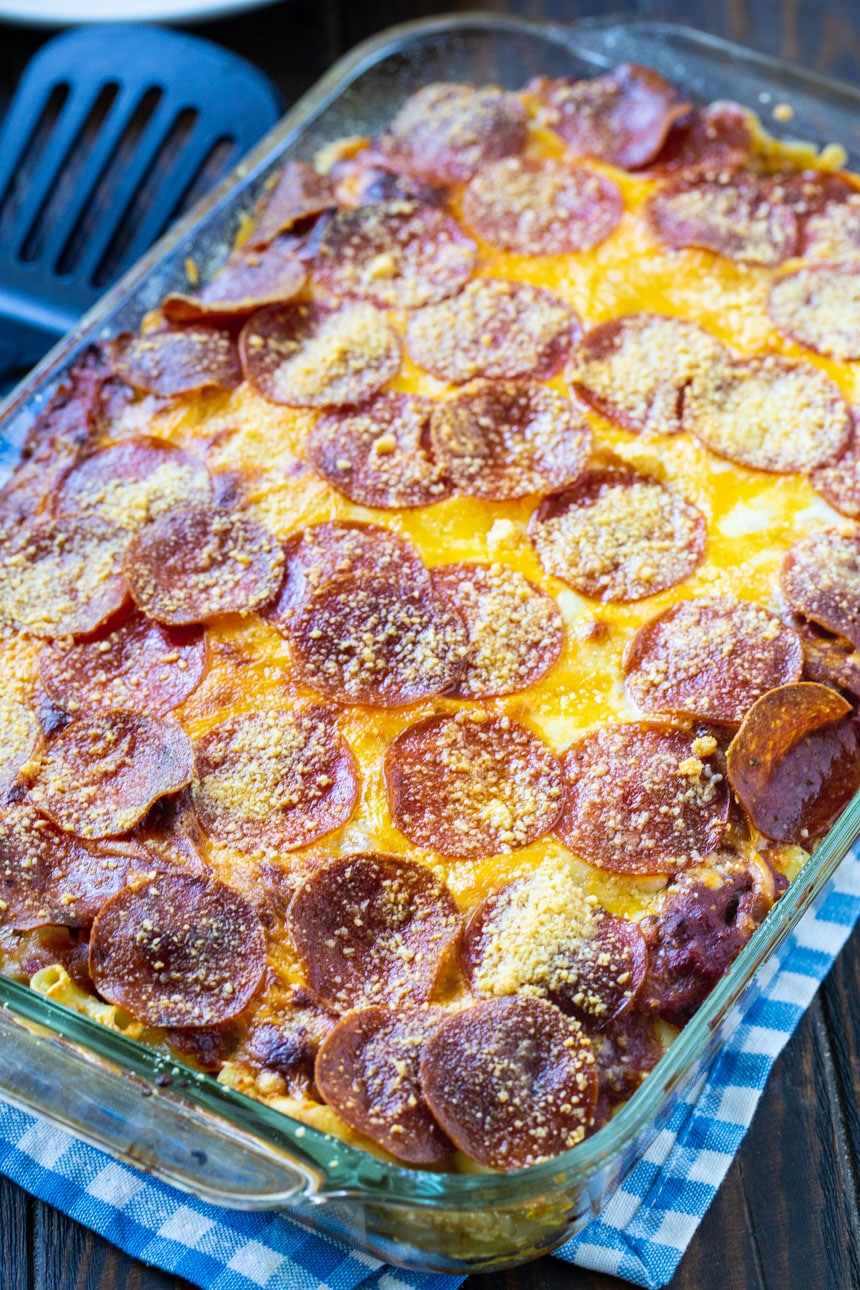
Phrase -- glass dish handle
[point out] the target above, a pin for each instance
(145, 1125)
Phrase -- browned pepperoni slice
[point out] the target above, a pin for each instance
(376, 454)
(543, 936)
(795, 762)
(274, 780)
(830, 660)
(444, 132)
(767, 413)
(373, 929)
(177, 361)
(335, 549)
(643, 798)
(710, 658)
(735, 216)
(397, 254)
(820, 579)
(472, 785)
(365, 177)
(707, 140)
(617, 535)
(47, 876)
(819, 307)
(178, 951)
(369, 639)
(367, 1070)
(706, 919)
(248, 280)
(833, 233)
(838, 481)
(307, 356)
(622, 118)
(625, 1052)
(511, 1081)
(505, 439)
(138, 666)
(285, 1039)
(299, 194)
(541, 207)
(192, 564)
(20, 739)
(63, 576)
(100, 775)
(515, 631)
(634, 370)
(493, 328)
(133, 482)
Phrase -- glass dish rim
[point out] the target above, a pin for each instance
(356, 1171)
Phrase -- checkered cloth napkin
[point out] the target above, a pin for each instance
(641, 1234)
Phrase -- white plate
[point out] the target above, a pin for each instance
(67, 12)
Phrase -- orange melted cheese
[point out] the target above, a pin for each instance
(752, 518)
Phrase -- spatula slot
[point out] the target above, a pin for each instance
(29, 159)
(69, 169)
(98, 210)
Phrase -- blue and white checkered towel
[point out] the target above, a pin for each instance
(641, 1235)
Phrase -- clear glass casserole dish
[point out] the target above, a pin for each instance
(184, 1126)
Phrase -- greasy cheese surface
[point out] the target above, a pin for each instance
(752, 518)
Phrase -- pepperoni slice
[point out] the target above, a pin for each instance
(365, 177)
(62, 576)
(710, 658)
(542, 936)
(335, 549)
(625, 1052)
(177, 361)
(820, 579)
(287, 1038)
(274, 779)
(622, 118)
(736, 216)
(617, 535)
(371, 640)
(706, 919)
(634, 370)
(101, 774)
(472, 785)
(542, 207)
(299, 193)
(376, 456)
(830, 660)
(178, 951)
(493, 328)
(397, 254)
(373, 929)
(506, 439)
(767, 413)
(193, 564)
(367, 1070)
(511, 1081)
(838, 481)
(833, 232)
(20, 739)
(643, 799)
(307, 356)
(445, 132)
(795, 762)
(819, 307)
(707, 140)
(133, 482)
(516, 633)
(47, 876)
(249, 280)
(138, 666)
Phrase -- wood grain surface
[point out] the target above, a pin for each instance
(788, 1214)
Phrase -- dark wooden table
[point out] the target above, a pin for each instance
(788, 1215)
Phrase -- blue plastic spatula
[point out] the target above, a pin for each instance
(114, 131)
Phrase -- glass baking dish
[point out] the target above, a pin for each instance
(184, 1126)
